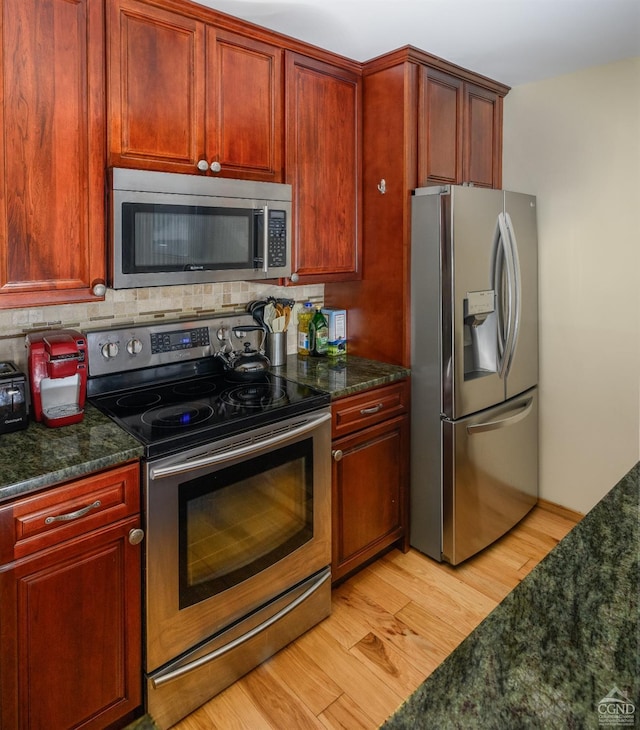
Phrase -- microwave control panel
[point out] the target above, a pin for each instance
(277, 238)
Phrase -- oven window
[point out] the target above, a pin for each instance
(236, 522)
(183, 237)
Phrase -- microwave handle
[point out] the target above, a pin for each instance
(265, 239)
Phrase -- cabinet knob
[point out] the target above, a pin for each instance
(337, 455)
(203, 165)
(294, 277)
(215, 167)
(136, 536)
(99, 289)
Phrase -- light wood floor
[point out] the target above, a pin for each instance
(391, 625)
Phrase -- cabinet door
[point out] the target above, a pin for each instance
(323, 160)
(482, 137)
(51, 151)
(244, 106)
(71, 633)
(459, 132)
(440, 121)
(369, 493)
(156, 88)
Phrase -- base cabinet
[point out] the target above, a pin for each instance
(370, 476)
(70, 605)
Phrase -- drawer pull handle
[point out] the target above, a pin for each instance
(337, 455)
(73, 515)
(370, 411)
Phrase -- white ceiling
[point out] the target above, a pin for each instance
(512, 41)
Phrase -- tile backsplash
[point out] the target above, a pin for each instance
(142, 305)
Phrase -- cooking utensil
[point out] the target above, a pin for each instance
(269, 316)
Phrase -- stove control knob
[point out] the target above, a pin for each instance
(110, 350)
(134, 346)
(222, 334)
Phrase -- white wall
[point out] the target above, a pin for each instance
(574, 141)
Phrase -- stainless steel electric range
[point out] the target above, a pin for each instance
(236, 481)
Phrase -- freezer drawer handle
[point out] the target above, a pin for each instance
(503, 422)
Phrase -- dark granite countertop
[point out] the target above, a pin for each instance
(340, 376)
(561, 650)
(39, 456)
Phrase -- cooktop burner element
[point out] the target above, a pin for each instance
(138, 400)
(174, 396)
(255, 395)
(179, 416)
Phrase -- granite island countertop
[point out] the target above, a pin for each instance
(39, 456)
(561, 650)
(340, 376)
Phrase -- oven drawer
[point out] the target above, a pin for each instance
(180, 687)
(61, 513)
(366, 409)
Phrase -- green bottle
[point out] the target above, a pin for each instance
(318, 334)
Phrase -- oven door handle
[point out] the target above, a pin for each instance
(161, 472)
(170, 675)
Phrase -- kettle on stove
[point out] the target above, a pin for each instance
(57, 367)
(248, 363)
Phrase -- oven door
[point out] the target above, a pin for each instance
(232, 526)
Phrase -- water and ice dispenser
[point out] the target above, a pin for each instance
(480, 334)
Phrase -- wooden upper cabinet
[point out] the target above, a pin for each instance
(323, 164)
(459, 132)
(184, 95)
(156, 83)
(482, 163)
(245, 109)
(51, 151)
(440, 122)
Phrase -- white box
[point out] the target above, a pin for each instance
(337, 321)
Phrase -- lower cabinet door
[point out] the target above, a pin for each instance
(70, 629)
(369, 494)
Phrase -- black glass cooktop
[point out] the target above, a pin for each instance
(173, 416)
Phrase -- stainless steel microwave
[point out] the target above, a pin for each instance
(170, 228)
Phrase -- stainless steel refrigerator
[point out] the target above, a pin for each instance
(474, 367)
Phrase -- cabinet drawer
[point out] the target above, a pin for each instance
(40, 521)
(366, 409)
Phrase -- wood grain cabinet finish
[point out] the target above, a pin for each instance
(459, 132)
(425, 122)
(185, 96)
(370, 476)
(52, 127)
(70, 605)
(323, 164)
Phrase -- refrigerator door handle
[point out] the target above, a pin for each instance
(503, 275)
(517, 290)
(522, 413)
